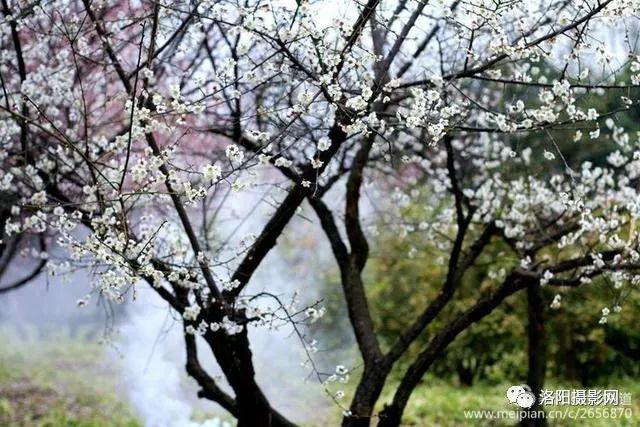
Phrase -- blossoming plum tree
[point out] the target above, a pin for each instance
(126, 127)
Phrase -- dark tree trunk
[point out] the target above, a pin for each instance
(465, 374)
(233, 354)
(366, 395)
(537, 351)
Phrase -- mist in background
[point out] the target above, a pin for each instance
(143, 339)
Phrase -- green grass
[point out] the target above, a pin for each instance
(65, 382)
(59, 382)
(438, 403)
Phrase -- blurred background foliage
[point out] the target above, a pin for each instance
(401, 282)
(494, 349)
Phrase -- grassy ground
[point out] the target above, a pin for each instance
(59, 382)
(437, 403)
(65, 382)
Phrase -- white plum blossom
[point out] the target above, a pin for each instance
(324, 143)
(549, 155)
(191, 312)
(234, 153)
(211, 172)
